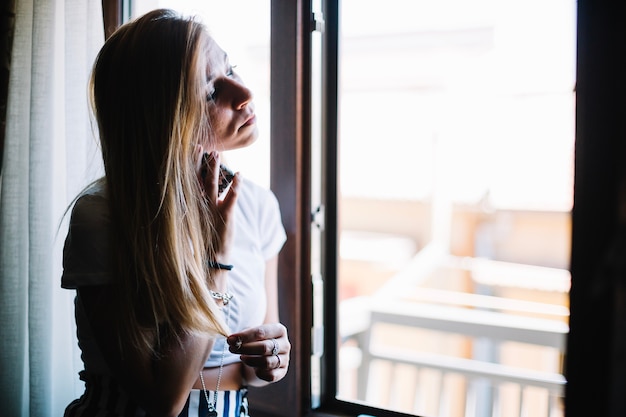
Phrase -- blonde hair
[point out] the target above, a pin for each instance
(148, 94)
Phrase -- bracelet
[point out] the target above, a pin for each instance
(217, 265)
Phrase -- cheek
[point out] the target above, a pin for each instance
(218, 120)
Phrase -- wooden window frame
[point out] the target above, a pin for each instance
(596, 378)
(112, 16)
(290, 179)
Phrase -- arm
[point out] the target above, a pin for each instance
(160, 386)
(260, 366)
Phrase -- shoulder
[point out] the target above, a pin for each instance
(91, 207)
(261, 211)
(86, 249)
(253, 189)
(254, 197)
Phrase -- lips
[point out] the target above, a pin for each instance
(249, 121)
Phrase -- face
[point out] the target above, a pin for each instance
(231, 110)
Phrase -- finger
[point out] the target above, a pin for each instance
(266, 347)
(263, 332)
(243, 342)
(199, 165)
(274, 347)
(251, 334)
(225, 180)
(270, 375)
(265, 363)
(247, 348)
(227, 204)
(235, 343)
(210, 174)
(257, 340)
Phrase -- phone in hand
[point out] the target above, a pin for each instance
(226, 176)
(225, 179)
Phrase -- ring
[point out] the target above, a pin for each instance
(277, 357)
(238, 343)
(275, 348)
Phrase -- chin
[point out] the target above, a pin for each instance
(237, 143)
(246, 141)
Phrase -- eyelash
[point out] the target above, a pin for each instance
(212, 94)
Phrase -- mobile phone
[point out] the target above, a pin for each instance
(225, 179)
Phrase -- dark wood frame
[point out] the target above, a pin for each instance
(594, 368)
(111, 15)
(290, 181)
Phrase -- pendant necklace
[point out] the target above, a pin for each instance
(225, 297)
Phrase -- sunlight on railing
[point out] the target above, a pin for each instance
(385, 361)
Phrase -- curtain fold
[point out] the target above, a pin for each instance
(49, 155)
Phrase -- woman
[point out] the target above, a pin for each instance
(161, 264)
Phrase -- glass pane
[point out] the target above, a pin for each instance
(456, 179)
(231, 24)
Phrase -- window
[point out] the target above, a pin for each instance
(454, 170)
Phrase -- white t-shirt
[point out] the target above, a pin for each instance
(258, 236)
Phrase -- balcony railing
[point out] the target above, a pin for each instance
(475, 383)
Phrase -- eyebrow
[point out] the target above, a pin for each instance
(212, 75)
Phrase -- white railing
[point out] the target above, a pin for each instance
(486, 388)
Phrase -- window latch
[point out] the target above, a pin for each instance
(318, 217)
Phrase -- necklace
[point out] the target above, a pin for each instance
(225, 297)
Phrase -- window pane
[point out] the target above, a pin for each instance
(231, 23)
(456, 182)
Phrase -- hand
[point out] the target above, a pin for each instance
(208, 174)
(264, 348)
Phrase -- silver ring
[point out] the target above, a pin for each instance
(238, 344)
(277, 357)
(275, 348)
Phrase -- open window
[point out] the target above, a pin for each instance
(448, 162)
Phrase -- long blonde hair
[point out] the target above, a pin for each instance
(148, 93)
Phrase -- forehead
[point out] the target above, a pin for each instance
(215, 56)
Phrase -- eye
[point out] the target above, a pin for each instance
(212, 94)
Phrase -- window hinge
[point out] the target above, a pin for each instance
(317, 22)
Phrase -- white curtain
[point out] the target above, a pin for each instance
(50, 153)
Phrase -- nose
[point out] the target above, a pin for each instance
(241, 95)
